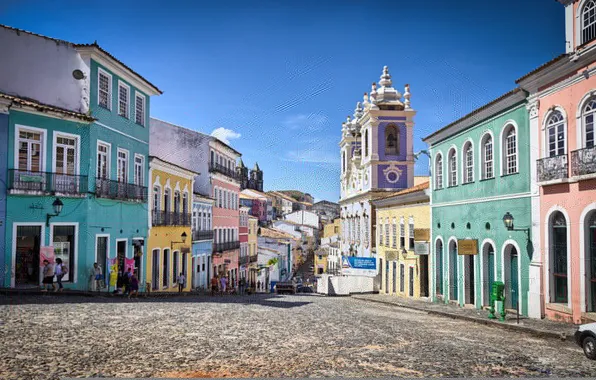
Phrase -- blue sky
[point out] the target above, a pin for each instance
(281, 76)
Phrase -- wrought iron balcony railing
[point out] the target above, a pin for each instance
(227, 246)
(243, 260)
(218, 168)
(55, 183)
(583, 161)
(552, 168)
(202, 235)
(107, 188)
(252, 258)
(168, 218)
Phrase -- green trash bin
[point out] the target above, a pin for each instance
(497, 300)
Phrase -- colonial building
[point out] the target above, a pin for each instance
(254, 180)
(202, 241)
(76, 158)
(376, 157)
(562, 106)
(481, 173)
(403, 270)
(326, 210)
(244, 257)
(170, 226)
(282, 203)
(253, 229)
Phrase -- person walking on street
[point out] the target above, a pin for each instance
(134, 286)
(126, 281)
(97, 276)
(60, 270)
(214, 282)
(48, 276)
(241, 285)
(181, 280)
(224, 282)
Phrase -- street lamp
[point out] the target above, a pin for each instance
(183, 237)
(508, 221)
(57, 205)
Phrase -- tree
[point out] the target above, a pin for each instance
(273, 261)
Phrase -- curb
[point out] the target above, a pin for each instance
(489, 322)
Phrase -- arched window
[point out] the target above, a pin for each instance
(394, 230)
(588, 132)
(468, 162)
(589, 22)
(380, 232)
(452, 168)
(177, 202)
(402, 233)
(387, 232)
(366, 143)
(439, 172)
(509, 145)
(486, 145)
(167, 201)
(555, 134)
(391, 140)
(212, 159)
(558, 258)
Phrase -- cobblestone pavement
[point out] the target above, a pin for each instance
(291, 336)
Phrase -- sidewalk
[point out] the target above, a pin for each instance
(103, 293)
(538, 327)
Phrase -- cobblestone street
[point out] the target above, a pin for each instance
(289, 336)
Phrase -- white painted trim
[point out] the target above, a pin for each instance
(583, 241)
(110, 88)
(547, 245)
(482, 264)
(463, 161)
(142, 96)
(481, 200)
(503, 144)
(507, 243)
(141, 265)
(134, 174)
(449, 284)
(578, 23)
(77, 139)
(579, 116)
(481, 174)
(121, 133)
(545, 131)
(122, 84)
(13, 254)
(44, 144)
(107, 248)
(76, 243)
(436, 157)
(127, 164)
(454, 149)
(109, 163)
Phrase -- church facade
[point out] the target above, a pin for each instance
(376, 150)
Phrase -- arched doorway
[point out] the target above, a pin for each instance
(558, 258)
(453, 285)
(439, 267)
(590, 262)
(511, 276)
(488, 272)
(469, 280)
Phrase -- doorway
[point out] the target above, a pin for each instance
(439, 267)
(423, 259)
(411, 282)
(394, 276)
(155, 270)
(511, 263)
(469, 279)
(590, 263)
(488, 272)
(121, 254)
(27, 263)
(101, 247)
(453, 278)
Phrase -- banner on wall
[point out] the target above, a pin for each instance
(359, 266)
(46, 253)
(129, 264)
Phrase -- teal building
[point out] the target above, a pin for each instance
(77, 161)
(480, 166)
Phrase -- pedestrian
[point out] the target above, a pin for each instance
(242, 285)
(119, 282)
(259, 285)
(97, 275)
(48, 276)
(181, 280)
(126, 281)
(60, 270)
(134, 285)
(214, 282)
(223, 283)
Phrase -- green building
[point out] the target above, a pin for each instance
(480, 167)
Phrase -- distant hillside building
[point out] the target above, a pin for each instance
(326, 210)
(254, 180)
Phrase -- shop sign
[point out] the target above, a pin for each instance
(467, 247)
(421, 234)
(421, 248)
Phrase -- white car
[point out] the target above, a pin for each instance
(585, 337)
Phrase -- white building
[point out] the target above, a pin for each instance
(302, 217)
(376, 158)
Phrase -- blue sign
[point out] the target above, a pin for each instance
(359, 266)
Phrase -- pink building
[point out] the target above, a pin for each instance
(244, 255)
(562, 106)
(225, 188)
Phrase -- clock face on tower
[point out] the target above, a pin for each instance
(392, 173)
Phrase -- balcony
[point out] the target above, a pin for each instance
(202, 235)
(227, 246)
(552, 168)
(107, 188)
(23, 181)
(253, 258)
(168, 218)
(218, 168)
(243, 260)
(583, 162)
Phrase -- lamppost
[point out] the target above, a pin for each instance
(183, 237)
(57, 205)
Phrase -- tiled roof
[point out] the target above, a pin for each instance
(276, 234)
(413, 189)
(94, 44)
(544, 65)
(45, 107)
(284, 196)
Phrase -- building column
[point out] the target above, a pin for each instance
(535, 290)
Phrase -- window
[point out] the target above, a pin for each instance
(166, 201)
(452, 168)
(123, 93)
(65, 155)
(103, 161)
(122, 166)
(555, 131)
(588, 22)
(391, 140)
(402, 234)
(559, 281)
(156, 198)
(468, 163)
(394, 240)
(30, 151)
(439, 172)
(402, 275)
(387, 233)
(366, 143)
(588, 132)
(175, 267)
(185, 203)
(166, 267)
(381, 233)
(510, 146)
(487, 157)
(177, 202)
(139, 109)
(104, 90)
(411, 234)
(139, 170)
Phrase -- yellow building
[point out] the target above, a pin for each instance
(403, 231)
(320, 261)
(169, 242)
(253, 228)
(331, 228)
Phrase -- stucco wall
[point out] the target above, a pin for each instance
(3, 178)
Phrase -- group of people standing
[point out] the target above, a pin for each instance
(220, 285)
(58, 270)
